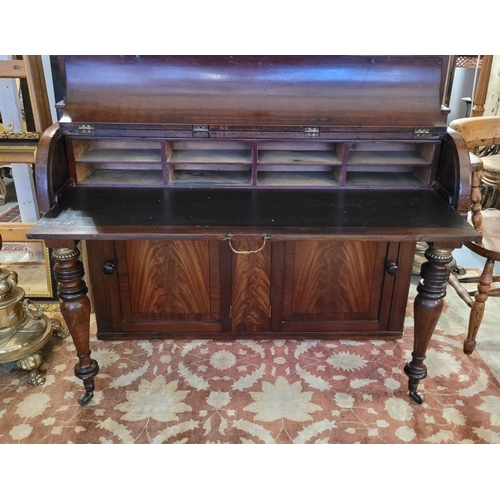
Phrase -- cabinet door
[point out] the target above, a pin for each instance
(158, 286)
(339, 286)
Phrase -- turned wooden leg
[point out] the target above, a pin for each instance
(427, 309)
(477, 311)
(75, 309)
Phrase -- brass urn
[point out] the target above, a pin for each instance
(24, 329)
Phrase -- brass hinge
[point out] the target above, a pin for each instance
(421, 131)
(270, 311)
(425, 133)
(200, 131)
(86, 129)
(311, 131)
(231, 311)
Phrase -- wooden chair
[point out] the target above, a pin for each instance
(478, 133)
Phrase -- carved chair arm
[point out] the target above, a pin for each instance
(476, 165)
(478, 131)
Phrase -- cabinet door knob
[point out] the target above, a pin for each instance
(109, 267)
(391, 267)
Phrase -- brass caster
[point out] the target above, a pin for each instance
(416, 397)
(84, 400)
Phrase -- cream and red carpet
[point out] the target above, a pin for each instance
(258, 392)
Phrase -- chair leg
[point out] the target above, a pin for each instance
(461, 291)
(477, 312)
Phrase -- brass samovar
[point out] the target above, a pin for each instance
(24, 329)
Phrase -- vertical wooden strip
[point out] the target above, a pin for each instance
(226, 280)
(482, 87)
(38, 93)
(215, 281)
(345, 160)
(72, 151)
(254, 163)
(107, 305)
(402, 285)
(277, 284)
(289, 278)
(388, 284)
(164, 169)
(382, 282)
(251, 287)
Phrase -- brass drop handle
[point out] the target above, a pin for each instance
(109, 267)
(391, 267)
(248, 252)
(34, 311)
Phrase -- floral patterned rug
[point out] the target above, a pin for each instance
(258, 392)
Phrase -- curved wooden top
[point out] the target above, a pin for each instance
(364, 91)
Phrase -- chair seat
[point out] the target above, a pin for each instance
(491, 170)
(489, 247)
(491, 163)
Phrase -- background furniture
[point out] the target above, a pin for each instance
(36, 109)
(25, 110)
(24, 329)
(479, 133)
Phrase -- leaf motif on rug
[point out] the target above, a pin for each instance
(285, 391)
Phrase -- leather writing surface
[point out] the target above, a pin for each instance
(156, 212)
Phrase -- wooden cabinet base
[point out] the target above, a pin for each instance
(428, 305)
(243, 289)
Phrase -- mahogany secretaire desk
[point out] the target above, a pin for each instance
(254, 197)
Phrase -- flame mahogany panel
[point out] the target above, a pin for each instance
(342, 282)
(169, 277)
(169, 284)
(251, 287)
(333, 277)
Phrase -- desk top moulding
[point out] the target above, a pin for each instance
(279, 196)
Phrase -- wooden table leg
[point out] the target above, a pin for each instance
(427, 310)
(75, 309)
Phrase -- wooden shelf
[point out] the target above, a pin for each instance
(125, 178)
(386, 158)
(207, 156)
(204, 162)
(396, 179)
(299, 157)
(215, 177)
(297, 179)
(120, 156)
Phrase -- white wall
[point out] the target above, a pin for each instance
(492, 102)
(463, 81)
(50, 86)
